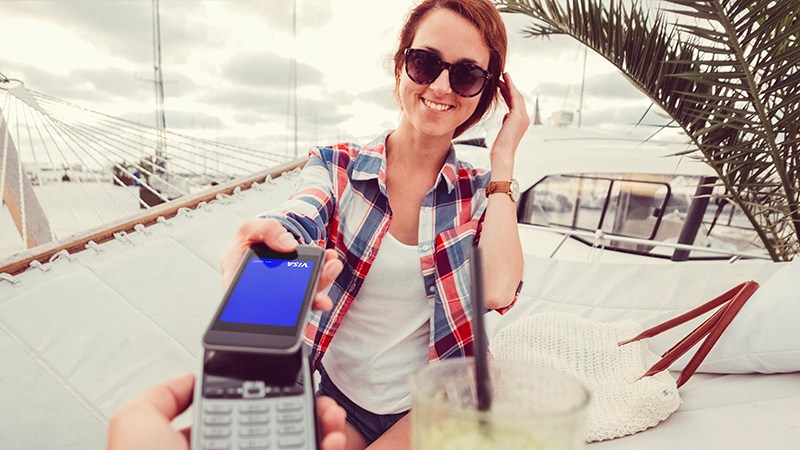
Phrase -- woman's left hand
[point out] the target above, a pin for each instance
(515, 123)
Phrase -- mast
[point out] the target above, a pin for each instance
(537, 116)
(583, 84)
(158, 82)
(293, 72)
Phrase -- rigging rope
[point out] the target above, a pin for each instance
(53, 165)
(65, 160)
(130, 124)
(98, 149)
(71, 134)
(103, 185)
(154, 138)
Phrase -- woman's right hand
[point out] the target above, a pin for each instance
(275, 236)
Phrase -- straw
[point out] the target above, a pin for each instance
(482, 379)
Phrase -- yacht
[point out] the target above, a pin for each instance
(89, 321)
(587, 195)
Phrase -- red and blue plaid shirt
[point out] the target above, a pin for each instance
(341, 203)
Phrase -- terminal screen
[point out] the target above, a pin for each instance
(269, 292)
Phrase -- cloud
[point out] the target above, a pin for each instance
(248, 101)
(84, 85)
(271, 143)
(555, 89)
(37, 79)
(183, 33)
(186, 120)
(117, 83)
(268, 70)
(278, 15)
(628, 115)
(611, 86)
(254, 106)
(624, 118)
(523, 46)
(382, 96)
(125, 28)
(320, 113)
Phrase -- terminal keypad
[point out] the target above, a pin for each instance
(255, 417)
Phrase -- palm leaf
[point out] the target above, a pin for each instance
(727, 71)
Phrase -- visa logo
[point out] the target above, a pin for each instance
(297, 264)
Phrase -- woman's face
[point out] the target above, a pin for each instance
(434, 110)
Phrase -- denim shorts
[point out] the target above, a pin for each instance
(369, 425)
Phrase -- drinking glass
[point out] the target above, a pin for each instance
(531, 408)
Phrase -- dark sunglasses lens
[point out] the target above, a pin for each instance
(423, 67)
(467, 80)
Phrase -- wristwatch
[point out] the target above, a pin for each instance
(506, 187)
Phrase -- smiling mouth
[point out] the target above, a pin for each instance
(436, 106)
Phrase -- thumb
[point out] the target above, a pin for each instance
(170, 397)
(269, 232)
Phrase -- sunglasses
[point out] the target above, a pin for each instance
(466, 80)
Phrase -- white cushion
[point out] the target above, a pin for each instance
(763, 338)
(765, 335)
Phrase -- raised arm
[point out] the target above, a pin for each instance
(499, 242)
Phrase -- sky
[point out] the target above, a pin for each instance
(226, 67)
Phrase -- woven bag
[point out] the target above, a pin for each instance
(622, 402)
(630, 387)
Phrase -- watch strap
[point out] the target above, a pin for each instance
(498, 186)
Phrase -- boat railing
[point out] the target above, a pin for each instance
(599, 238)
(42, 254)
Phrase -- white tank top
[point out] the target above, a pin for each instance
(384, 336)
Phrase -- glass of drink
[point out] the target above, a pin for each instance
(531, 408)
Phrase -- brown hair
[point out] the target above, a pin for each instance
(487, 20)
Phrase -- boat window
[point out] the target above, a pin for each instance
(644, 207)
(624, 207)
(553, 202)
(635, 208)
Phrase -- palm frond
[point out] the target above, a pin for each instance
(727, 71)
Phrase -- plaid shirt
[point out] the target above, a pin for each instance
(341, 203)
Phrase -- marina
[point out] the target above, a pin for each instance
(112, 229)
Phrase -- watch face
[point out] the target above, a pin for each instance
(514, 190)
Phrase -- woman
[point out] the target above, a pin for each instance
(401, 214)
